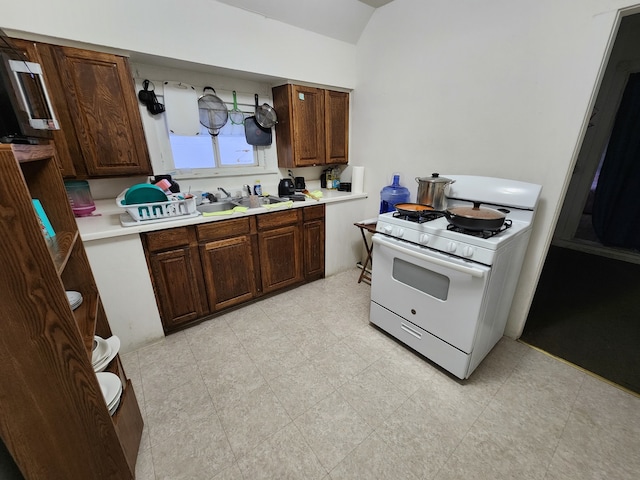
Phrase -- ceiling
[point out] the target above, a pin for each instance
(339, 19)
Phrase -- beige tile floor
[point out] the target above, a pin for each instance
(301, 386)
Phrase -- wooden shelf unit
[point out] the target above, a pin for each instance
(53, 417)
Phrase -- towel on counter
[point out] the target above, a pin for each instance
(316, 194)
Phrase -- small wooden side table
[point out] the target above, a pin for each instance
(371, 228)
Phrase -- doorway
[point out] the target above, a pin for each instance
(574, 229)
(586, 308)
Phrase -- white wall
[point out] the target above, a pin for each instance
(120, 270)
(201, 31)
(492, 87)
(498, 88)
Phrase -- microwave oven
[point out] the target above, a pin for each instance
(25, 106)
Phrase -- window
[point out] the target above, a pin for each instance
(202, 155)
(228, 149)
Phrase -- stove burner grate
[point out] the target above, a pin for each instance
(481, 233)
(420, 218)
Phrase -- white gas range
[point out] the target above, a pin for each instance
(447, 293)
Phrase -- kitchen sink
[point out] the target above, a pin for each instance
(234, 202)
(215, 207)
(244, 201)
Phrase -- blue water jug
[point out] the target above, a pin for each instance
(393, 194)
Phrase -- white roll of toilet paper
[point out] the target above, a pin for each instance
(357, 180)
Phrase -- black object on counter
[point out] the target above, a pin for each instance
(297, 197)
(286, 187)
(344, 187)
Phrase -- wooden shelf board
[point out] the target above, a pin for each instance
(61, 247)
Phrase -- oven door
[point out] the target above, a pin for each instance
(437, 292)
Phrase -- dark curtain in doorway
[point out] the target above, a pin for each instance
(616, 206)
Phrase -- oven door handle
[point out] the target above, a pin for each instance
(474, 272)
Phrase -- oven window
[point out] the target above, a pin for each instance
(427, 281)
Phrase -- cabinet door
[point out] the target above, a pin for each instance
(177, 286)
(336, 106)
(280, 257)
(105, 120)
(308, 125)
(313, 250)
(300, 137)
(228, 266)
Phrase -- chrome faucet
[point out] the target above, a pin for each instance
(225, 192)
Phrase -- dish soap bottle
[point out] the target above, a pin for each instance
(393, 194)
(257, 188)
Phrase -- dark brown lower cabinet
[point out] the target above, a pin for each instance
(176, 275)
(228, 271)
(228, 251)
(280, 249)
(313, 240)
(203, 269)
(176, 286)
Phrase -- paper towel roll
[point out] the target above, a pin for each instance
(357, 180)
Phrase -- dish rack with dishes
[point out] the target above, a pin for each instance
(175, 206)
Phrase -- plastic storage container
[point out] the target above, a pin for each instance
(393, 194)
(80, 198)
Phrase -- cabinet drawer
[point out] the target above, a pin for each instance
(278, 219)
(313, 213)
(224, 229)
(164, 239)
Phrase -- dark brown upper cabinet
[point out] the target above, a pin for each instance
(313, 126)
(94, 98)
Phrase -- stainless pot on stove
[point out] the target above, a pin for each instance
(431, 191)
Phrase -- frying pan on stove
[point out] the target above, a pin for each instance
(413, 210)
(475, 218)
(466, 217)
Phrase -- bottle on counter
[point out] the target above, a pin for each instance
(257, 188)
(393, 194)
(336, 178)
(329, 178)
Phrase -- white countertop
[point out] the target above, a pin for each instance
(105, 221)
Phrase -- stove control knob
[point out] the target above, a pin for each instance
(400, 232)
(452, 247)
(424, 238)
(387, 229)
(467, 251)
